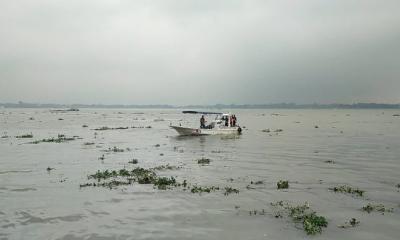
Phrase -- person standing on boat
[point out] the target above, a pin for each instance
(202, 122)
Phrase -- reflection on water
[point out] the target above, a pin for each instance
(356, 147)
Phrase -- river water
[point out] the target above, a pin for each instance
(359, 148)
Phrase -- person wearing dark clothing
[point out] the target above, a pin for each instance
(202, 122)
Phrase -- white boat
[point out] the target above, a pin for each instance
(220, 125)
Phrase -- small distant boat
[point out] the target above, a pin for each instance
(220, 125)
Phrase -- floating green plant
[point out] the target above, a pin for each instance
(85, 126)
(329, 161)
(311, 222)
(197, 189)
(60, 138)
(282, 184)
(229, 190)
(163, 182)
(351, 223)
(376, 208)
(133, 161)
(110, 128)
(257, 182)
(165, 167)
(28, 135)
(348, 189)
(114, 149)
(203, 161)
(88, 143)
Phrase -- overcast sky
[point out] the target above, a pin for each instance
(199, 52)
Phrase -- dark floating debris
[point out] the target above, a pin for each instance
(49, 169)
(348, 189)
(88, 143)
(203, 161)
(316, 126)
(157, 145)
(278, 130)
(282, 184)
(312, 223)
(266, 130)
(28, 135)
(396, 115)
(376, 208)
(102, 157)
(351, 223)
(85, 126)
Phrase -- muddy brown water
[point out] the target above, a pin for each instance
(364, 146)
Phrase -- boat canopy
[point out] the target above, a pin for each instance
(205, 113)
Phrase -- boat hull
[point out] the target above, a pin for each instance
(184, 131)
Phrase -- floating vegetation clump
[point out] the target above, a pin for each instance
(114, 149)
(278, 130)
(28, 135)
(351, 223)
(257, 182)
(133, 161)
(141, 127)
(266, 130)
(348, 189)
(311, 222)
(110, 128)
(203, 161)
(282, 184)
(85, 126)
(376, 208)
(60, 138)
(329, 161)
(88, 143)
(197, 189)
(139, 175)
(229, 190)
(163, 183)
(165, 167)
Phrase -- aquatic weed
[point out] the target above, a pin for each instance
(282, 184)
(203, 161)
(311, 222)
(376, 207)
(197, 189)
(229, 190)
(353, 222)
(348, 189)
(28, 135)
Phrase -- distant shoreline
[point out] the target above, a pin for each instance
(215, 106)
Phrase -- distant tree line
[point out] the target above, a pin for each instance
(215, 106)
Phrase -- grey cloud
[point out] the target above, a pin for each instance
(184, 52)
